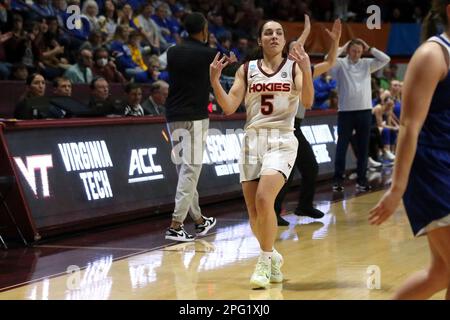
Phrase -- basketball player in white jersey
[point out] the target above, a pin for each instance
(271, 87)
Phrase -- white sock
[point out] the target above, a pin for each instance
(266, 256)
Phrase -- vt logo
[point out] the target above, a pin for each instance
(32, 164)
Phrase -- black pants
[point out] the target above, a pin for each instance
(307, 166)
(375, 143)
(347, 122)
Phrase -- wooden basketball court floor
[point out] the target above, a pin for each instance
(337, 257)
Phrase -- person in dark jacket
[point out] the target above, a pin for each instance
(187, 115)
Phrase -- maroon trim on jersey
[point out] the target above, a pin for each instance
(271, 75)
(246, 74)
(293, 71)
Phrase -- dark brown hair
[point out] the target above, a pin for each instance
(437, 16)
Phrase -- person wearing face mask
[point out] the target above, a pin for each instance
(187, 111)
(105, 68)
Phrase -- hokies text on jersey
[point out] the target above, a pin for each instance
(270, 87)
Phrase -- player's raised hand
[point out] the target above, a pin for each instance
(299, 55)
(306, 31)
(335, 33)
(216, 67)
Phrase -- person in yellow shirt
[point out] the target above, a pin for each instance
(137, 51)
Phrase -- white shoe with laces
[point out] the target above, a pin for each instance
(203, 228)
(276, 276)
(262, 274)
(179, 235)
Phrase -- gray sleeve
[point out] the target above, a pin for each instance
(379, 61)
(334, 70)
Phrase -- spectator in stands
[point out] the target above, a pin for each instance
(126, 17)
(21, 47)
(100, 102)
(35, 87)
(149, 28)
(19, 72)
(224, 45)
(212, 41)
(138, 52)
(396, 92)
(168, 29)
(324, 91)
(216, 25)
(418, 15)
(134, 98)
(5, 67)
(229, 16)
(41, 8)
(248, 20)
(353, 76)
(241, 50)
(104, 67)
(62, 87)
(5, 9)
(81, 71)
(122, 54)
(135, 4)
(341, 10)
(94, 42)
(376, 90)
(152, 73)
(179, 12)
(90, 11)
(54, 31)
(52, 62)
(59, 8)
(284, 10)
(389, 74)
(108, 21)
(155, 104)
(387, 123)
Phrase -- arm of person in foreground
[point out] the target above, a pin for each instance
(426, 68)
(330, 58)
(231, 101)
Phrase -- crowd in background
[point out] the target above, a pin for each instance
(126, 41)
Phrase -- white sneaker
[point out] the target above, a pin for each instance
(202, 229)
(389, 155)
(179, 235)
(261, 276)
(352, 176)
(276, 276)
(373, 164)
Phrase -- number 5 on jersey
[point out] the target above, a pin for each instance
(266, 104)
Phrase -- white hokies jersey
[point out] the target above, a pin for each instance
(271, 100)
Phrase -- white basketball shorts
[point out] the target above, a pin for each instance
(263, 149)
